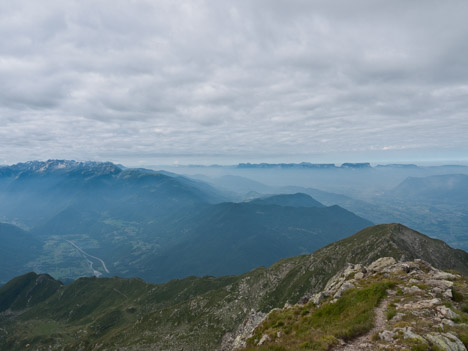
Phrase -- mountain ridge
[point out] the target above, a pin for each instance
(202, 313)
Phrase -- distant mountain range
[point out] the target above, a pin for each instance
(98, 218)
(319, 166)
(209, 313)
(435, 204)
(303, 165)
(447, 188)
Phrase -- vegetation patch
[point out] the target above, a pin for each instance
(311, 328)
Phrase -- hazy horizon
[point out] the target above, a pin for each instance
(232, 162)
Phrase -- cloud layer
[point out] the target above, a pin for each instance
(134, 79)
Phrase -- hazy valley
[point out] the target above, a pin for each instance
(224, 250)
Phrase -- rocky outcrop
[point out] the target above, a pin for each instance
(237, 340)
(424, 310)
(446, 341)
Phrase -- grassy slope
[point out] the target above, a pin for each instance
(311, 328)
(307, 327)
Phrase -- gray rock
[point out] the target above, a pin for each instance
(398, 317)
(448, 294)
(386, 335)
(344, 287)
(408, 334)
(443, 275)
(446, 312)
(448, 322)
(411, 290)
(446, 341)
(439, 283)
(264, 339)
(380, 264)
(245, 330)
(359, 276)
(317, 298)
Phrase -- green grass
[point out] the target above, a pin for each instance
(312, 328)
(391, 312)
(457, 296)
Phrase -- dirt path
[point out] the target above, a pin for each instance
(364, 342)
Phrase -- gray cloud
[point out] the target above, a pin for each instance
(130, 79)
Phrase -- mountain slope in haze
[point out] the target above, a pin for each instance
(97, 218)
(292, 200)
(232, 238)
(246, 189)
(202, 313)
(448, 188)
(17, 248)
(434, 204)
(108, 211)
(34, 192)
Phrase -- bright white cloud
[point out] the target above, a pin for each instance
(110, 79)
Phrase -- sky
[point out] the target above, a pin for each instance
(177, 82)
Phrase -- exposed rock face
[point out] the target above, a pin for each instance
(342, 281)
(237, 339)
(381, 264)
(446, 341)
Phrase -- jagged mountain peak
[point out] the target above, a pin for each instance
(60, 166)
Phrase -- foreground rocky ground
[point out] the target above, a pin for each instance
(387, 305)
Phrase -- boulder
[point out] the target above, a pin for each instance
(446, 312)
(411, 290)
(265, 338)
(344, 287)
(443, 275)
(446, 341)
(408, 334)
(317, 298)
(422, 304)
(386, 335)
(380, 264)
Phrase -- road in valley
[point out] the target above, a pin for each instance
(90, 263)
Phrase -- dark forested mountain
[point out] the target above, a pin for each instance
(231, 238)
(101, 219)
(294, 200)
(17, 248)
(203, 313)
(435, 204)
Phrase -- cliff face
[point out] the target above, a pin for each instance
(386, 305)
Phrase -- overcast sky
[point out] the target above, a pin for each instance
(142, 82)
